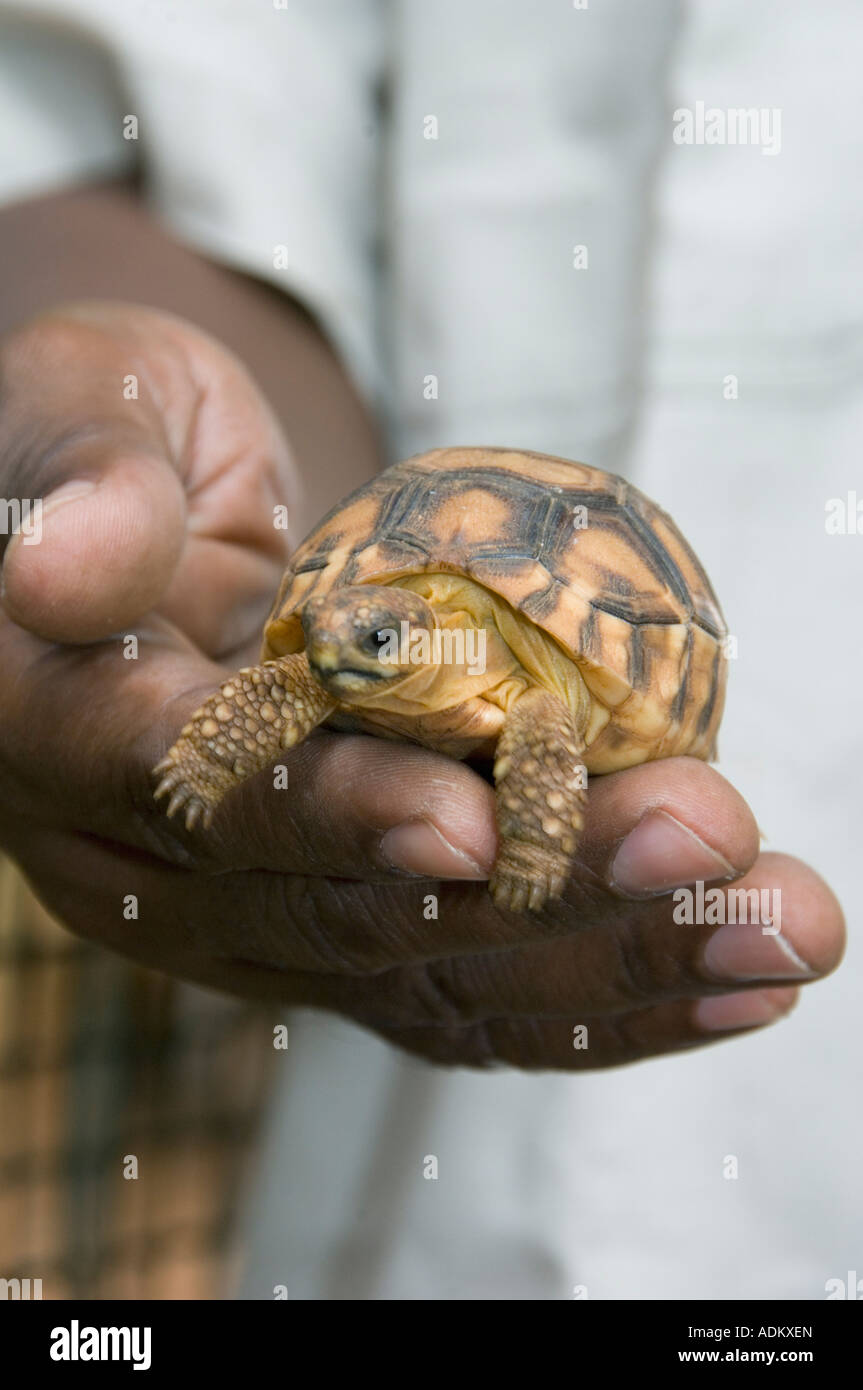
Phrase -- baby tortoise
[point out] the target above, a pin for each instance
(481, 602)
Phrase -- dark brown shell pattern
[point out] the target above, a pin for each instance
(579, 552)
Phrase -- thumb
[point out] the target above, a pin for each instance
(99, 550)
(87, 472)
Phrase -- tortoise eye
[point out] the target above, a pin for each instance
(375, 640)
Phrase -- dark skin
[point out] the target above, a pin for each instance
(293, 896)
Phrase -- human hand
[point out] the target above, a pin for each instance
(301, 895)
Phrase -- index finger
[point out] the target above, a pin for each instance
(281, 931)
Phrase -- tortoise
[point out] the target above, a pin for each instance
(481, 602)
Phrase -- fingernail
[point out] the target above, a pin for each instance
(69, 492)
(751, 1009)
(661, 854)
(420, 848)
(739, 951)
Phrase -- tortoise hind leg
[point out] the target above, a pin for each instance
(238, 731)
(540, 800)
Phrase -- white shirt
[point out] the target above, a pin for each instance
(454, 258)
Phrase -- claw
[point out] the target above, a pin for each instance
(516, 891)
(178, 781)
(167, 784)
(537, 896)
(511, 893)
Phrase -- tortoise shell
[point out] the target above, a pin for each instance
(623, 595)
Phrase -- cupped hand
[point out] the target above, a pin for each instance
(349, 888)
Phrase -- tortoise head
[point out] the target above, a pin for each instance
(358, 638)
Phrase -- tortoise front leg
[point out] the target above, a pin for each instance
(540, 800)
(238, 731)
